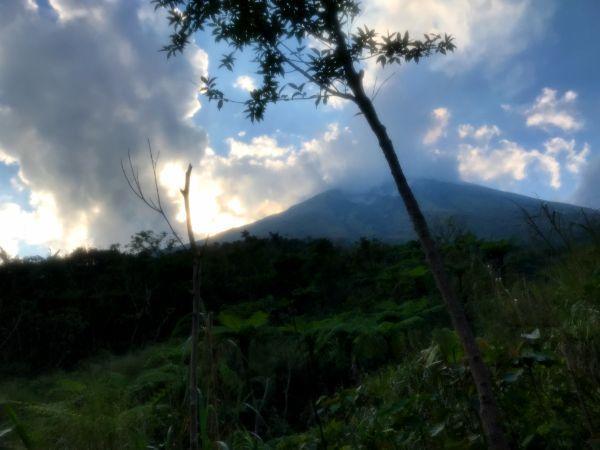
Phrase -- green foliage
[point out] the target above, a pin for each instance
(61, 310)
(279, 33)
(126, 403)
(310, 336)
(16, 428)
(148, 242)
(238, 324)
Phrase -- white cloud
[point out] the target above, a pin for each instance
(440, 118)
(42, 225)
(483, 133)
(481, 29)
(507, 160)
(575, 159)
(258, 147)
(7, 159)
(245, 83)
(552, 111)
(68, 10)
(333, 132)
(337, 102)
(487, 159)
(257, 177)
(486, 31)
(31, 5)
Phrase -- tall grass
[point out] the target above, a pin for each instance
(128, 402)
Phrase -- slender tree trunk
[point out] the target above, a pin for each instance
(488, 409)
(197, 305)
(490, 414)
(193, 369)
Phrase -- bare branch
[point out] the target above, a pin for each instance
(132, 177)
(186, 199)
(381, 85)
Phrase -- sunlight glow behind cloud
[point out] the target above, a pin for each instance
(42, 226)
(256, 178)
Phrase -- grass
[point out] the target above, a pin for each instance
(111, 402)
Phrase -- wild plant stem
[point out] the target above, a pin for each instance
(197, 306)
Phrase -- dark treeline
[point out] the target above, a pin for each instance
(312, 344)
(57, 311)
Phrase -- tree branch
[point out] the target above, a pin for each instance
(132, 177)
(311, 78)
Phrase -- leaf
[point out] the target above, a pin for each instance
(418, 272)
(448, 344)
(258, 319)
(437, 429)
(431, 356)
(231, 321)
(237, 324)
(19, 428)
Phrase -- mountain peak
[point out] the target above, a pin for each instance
(379, 213)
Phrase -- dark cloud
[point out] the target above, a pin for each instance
(79, 86)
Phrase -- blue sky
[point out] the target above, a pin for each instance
(82, 82)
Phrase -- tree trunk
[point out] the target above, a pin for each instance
(490, 415)
(196, 307)
(488, 409)
(193, 370)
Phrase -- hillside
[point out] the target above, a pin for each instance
(313, 345)
(379, 213)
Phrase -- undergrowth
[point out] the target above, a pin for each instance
(378, 369)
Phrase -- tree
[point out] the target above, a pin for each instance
(279, 33)
(147, 241)
(4, 256)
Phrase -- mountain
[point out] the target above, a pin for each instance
(380, 213)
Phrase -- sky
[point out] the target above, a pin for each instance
(82, 83)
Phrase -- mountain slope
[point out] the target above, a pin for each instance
(379, 213)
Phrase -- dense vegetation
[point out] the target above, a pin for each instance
(313, 345)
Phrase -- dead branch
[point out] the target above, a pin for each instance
(132, 177)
